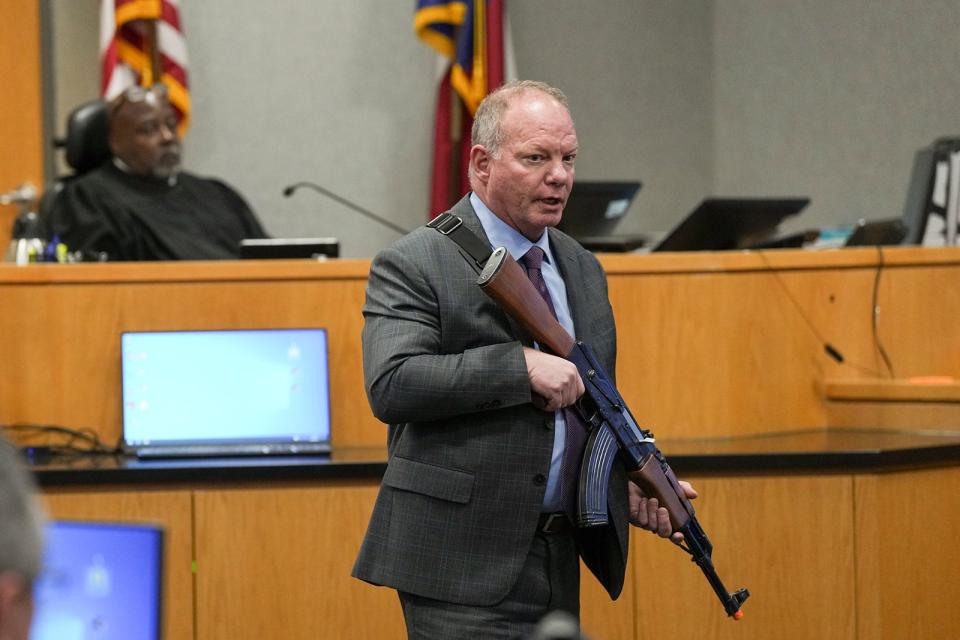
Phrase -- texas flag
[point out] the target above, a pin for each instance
(470, 35)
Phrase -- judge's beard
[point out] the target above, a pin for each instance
(169, 173)
(168, 168)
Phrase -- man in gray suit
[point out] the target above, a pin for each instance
(470, 526)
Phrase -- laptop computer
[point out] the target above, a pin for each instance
(225, 392)
(286, 248)
(595, 209)
(720, 224)
(99, 580)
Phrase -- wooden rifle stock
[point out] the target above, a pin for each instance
(614, 432)
(505, 281)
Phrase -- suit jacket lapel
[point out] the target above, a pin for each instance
(570, 270)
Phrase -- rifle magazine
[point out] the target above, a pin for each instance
(598, 456)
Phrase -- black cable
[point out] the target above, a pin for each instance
(61, 441)
(828, 348)
(875, 313)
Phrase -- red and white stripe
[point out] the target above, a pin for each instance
(125, 60)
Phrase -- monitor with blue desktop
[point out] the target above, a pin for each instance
(99, 580)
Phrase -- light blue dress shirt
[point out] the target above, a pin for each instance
(501, 234)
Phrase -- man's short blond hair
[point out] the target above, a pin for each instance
(488, 120)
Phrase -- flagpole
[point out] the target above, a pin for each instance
(152, 75)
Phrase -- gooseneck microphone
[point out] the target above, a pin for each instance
(289, 191)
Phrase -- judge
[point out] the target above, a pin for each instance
(140, 205)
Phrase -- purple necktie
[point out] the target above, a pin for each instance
(576, 433)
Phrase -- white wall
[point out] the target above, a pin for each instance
(638, 77)
(831, 99)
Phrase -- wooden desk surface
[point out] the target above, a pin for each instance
(833, 451)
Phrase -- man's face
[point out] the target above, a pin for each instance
(528, 181)
(144, 136)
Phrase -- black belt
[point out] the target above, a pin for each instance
(551, 523)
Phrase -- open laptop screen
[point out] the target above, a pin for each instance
(99, 580)
(596, 208)
(226, 389)
(720, 224)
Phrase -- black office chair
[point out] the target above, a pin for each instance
(84, 146)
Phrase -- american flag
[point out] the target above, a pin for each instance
(131, 33)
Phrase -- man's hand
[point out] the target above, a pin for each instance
(554, 379)
(646, 513)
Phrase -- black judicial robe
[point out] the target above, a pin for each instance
(133, 217)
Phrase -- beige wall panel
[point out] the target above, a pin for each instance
(172, 510)
(789, 540)
(928, 403)
(275, 563)
(908, 561)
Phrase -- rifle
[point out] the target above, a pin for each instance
(613, 431)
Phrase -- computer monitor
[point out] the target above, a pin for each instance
(596, 208)
(99, 580)
(720, 224)
(919, 204)
(932, 206)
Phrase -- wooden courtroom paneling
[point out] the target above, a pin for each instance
(172, 510)
(603, 618)
(275, 563)
(60, 332)
(908, 560)
(718, 344)
(919, 405)
(789, 540)
(913, 416)
(21, 129)
(710, 345)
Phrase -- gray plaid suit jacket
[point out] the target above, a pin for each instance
(468, 452)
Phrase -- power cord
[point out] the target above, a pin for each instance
(828, 348)
(875, 313)
(42, 442)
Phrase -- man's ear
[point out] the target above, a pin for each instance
(480, 162)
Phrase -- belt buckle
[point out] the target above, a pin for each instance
(552, 519)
